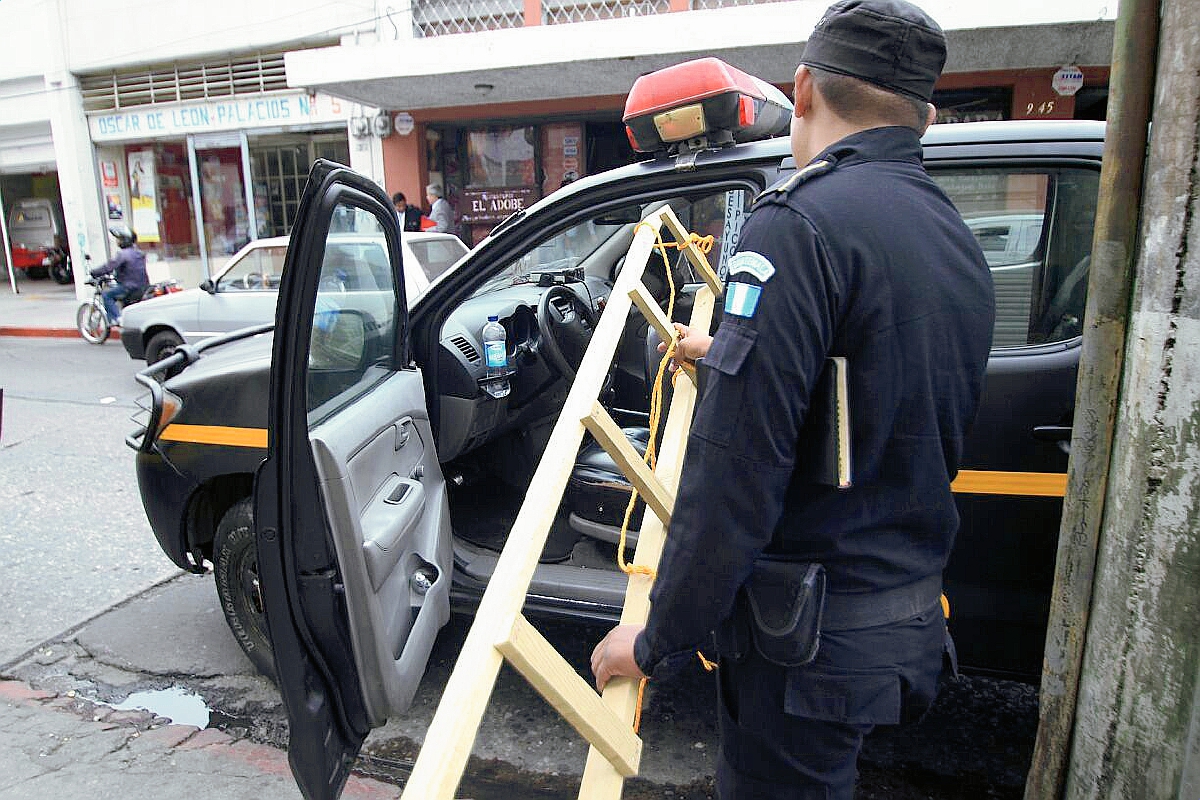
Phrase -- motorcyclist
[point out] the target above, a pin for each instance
(128, 266)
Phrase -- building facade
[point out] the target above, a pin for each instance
(197, 128)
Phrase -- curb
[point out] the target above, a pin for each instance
(61, 333)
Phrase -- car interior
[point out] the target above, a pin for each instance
(548, 301)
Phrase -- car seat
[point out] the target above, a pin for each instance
(597, 491)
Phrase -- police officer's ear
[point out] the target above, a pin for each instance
(930, 117)
(802, 92)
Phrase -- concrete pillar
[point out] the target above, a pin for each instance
(78, 177)
(1137, 723)
(366, 150)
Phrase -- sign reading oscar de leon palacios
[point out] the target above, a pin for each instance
(228, 114)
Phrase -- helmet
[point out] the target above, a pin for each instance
(124, 236)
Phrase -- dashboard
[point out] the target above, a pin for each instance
(469, 415)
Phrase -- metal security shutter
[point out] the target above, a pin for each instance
(249, 74)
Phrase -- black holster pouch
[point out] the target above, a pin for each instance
(778, 611)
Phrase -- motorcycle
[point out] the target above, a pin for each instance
(57, 262)
(92, 318)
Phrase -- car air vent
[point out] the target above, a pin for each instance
(466, 348)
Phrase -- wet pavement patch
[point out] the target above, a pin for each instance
(175, 703)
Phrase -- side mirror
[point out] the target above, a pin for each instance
(208, 286)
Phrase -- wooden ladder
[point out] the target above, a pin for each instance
(499, 630)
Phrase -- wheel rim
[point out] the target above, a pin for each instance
(251, 600)
(92, 324)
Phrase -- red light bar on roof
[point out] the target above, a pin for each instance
(702, 98)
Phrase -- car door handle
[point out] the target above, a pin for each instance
(403, 431)
(1052, 433)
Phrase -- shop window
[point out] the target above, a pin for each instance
(500, 157)
(223, 201)
(280, 171)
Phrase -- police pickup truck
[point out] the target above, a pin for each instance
(351, 477)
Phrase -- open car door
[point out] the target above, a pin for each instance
(354, 545)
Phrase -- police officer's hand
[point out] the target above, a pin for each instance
(614, 655)
(690, 347)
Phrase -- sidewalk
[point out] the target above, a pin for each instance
(42, 308)
(64, 746)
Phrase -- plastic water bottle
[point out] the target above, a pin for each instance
(495, 355)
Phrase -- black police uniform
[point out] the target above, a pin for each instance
(859, 255)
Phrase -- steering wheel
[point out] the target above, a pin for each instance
(252, 280)
(566, 323)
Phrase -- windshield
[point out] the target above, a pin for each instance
(563, 251)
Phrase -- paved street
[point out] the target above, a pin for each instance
(75, 539)
(96, 613)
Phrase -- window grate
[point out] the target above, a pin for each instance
(441, 17)
(253, 74)
(701, 5)
(562, 12)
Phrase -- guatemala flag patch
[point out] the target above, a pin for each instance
(741, 299)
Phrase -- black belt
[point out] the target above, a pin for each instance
(846, 612)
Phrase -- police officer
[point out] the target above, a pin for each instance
(858, 254)
(128, 266)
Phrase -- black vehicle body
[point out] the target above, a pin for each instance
(206, 431)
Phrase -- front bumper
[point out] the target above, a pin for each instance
(132, 340)
(165, 494)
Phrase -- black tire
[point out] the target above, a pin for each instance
(62, 274)
(92, 323)
(235, 567)
(161, 345)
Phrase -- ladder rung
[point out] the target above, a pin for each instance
(612, 439)
(557, 681)
(698, 259)
(652, 311)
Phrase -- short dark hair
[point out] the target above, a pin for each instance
(398, 197)
(863, 103)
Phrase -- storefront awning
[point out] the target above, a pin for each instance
(603, 58)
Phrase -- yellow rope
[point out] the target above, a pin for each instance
(651, 454)
(637, 712)
(704, 244)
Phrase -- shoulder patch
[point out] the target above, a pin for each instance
(741, 299)
(753, 264)
(810, 171)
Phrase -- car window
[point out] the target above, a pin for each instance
(597, 242)
(437, 255)
(351, 342)
(1035, 230)
(259, 270)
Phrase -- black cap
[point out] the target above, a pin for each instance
(890, 43)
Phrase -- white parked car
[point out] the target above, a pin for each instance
(244, 292)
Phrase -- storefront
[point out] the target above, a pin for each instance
(197, 181)
(491, 170)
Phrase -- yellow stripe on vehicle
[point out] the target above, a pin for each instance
(1032, 484)
(216, 434)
